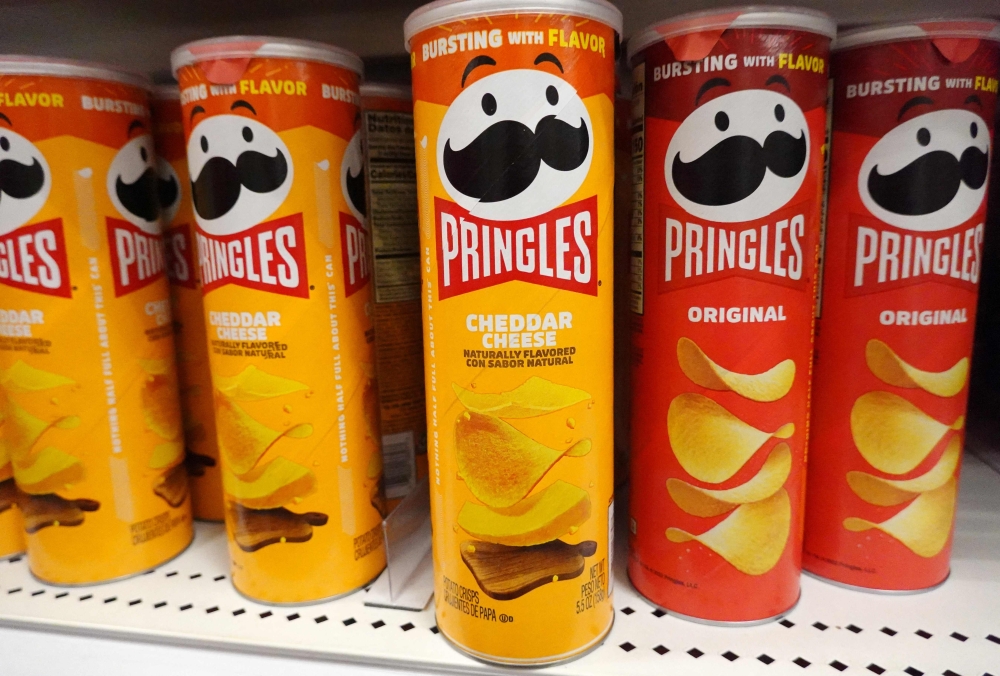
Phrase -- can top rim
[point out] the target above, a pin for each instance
(18, 64)
(166, 92)
(251, 46)
(966, 27)
(753, 16)
(390, 90)
(444, 11)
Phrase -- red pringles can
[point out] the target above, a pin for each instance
(913, 106)
(728, 143)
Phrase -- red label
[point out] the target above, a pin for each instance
(136, 256)
(556, 249)
(884, 257)
(773, 249)
(355, 250)
(180, 256)
(267, 257)
(33, 258)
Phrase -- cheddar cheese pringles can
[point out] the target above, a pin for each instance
(913, 112)
(181, 261)
(284, 256)
(391, 209)
(92, 423)
(728, 147)
(513, 122)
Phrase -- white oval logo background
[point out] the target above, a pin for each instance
(130, 165)
(352, 166)
(14, 211)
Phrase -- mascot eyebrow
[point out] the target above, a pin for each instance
(481, 60)
(6, 119)
(714, 82)
(195, 111)
(240, 103)
(915, 101)
(550, 58)
(778, 79)
(135, 124)
(973, 99)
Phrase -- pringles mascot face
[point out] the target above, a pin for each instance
(241, 172)
(928, 173)
(25, 179)
(738, 157)
(514, 144)
(132, 182)
(352, 177)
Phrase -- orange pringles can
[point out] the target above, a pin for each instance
(728, 145)
(913, 112)
(11, 524)
(284, 257)
(92, 422)
(391, 210)
(195, 379)
(514, 126)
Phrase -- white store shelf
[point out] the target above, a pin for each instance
(952, 630)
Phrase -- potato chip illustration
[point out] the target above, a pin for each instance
(173, 486)
(42, 511)
(752, 538)
(47, 471)
(711, 443)
(167, 454)
(244, 440)
(770, 385)
(161, 407)
(892, 434)
(255, 529)
(544, 516)
(706, 502)
(499, 463)
(20, 431)
(923, 526)
(252, 384)
(535, 396)
(24, 377)
(890, 368)
(887, 492)
(271, 485)
(505, 573)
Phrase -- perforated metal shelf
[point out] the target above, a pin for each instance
(952, 630)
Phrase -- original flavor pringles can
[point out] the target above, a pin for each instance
(390, 206)
(88, 388)
(181, 261)
(728, 144)
(913, 111)
(513, 121)
(273, 130)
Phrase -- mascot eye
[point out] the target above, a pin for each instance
(721, 121)
(143, 154)
(489, 104)
(5, 144)
(204, 144)
(779, 113)
(247, 134)
(551, 95)
(923, 136)
(973, 131)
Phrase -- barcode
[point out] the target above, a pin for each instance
(398, 463)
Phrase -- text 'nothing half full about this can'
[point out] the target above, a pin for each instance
(913, 109)
(391, 209)
(181, 261)
(513, 119)
(91, 419)
(729, 142)
(284, 261)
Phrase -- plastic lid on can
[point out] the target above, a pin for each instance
(166, 92)
(246, 47)
(719, 20)
(445, 11)
(387, 90)
(981, 29)
(16, 64)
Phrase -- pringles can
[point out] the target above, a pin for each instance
(913, 113)
(284, 257)
(11, 524)
(92, 423)
(728, 144)
(391, 209)
(514, 126)
(181, 261)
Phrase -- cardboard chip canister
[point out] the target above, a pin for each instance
(391, 203)
(513, 122)
(92, 424)
(913, 112)
(729, 123)
(181, 261)
(273, 129)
